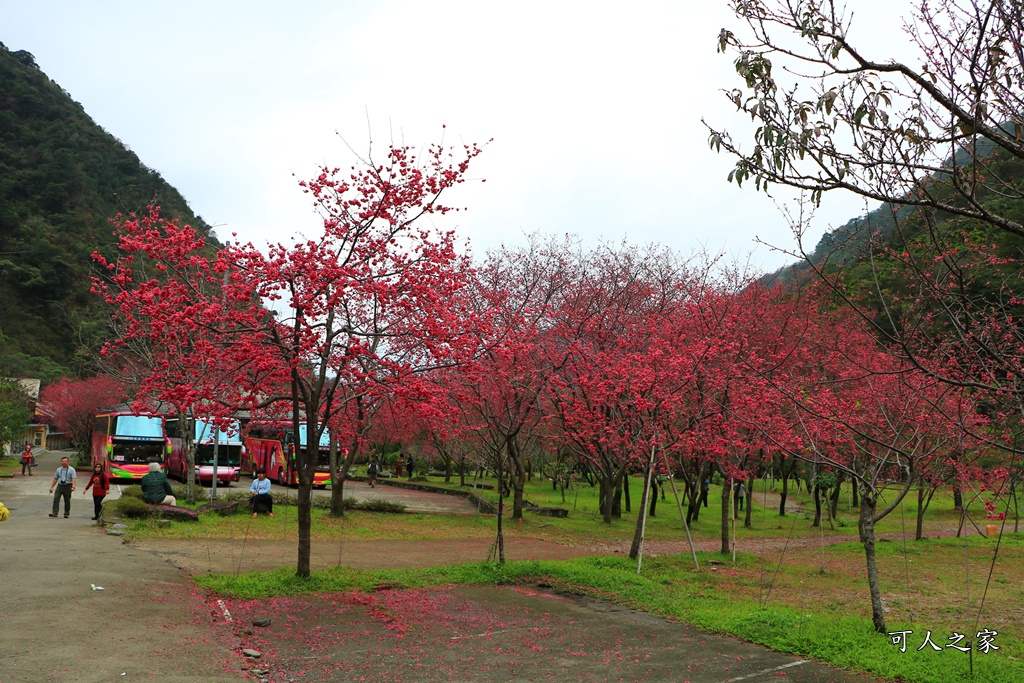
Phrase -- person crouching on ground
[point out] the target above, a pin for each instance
(100, 487)
(156, 490)
(261, 498)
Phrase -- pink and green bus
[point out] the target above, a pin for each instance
(127, 442)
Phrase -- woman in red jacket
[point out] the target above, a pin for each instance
(100, 486)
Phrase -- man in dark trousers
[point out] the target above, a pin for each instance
(64, 479)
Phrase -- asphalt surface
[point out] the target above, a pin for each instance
(150, 623)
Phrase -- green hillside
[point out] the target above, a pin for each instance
(62, 177)
(906, 228)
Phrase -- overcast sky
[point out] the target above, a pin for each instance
(594, 107)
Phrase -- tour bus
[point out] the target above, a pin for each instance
(269, 445)
(229, 452)
(127, 442)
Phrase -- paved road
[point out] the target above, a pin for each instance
(57, 629)
(149, 623)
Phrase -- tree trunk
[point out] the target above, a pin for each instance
(305, 483)
(834, 498)
(500, 540)
(923, 501)
(617, 499)
(783, 495)
(749, 494)
(605, 498)
(654, 496)
(817, 505)
(625, 491)
(855, 502)
(726, 498)
(638, 533)
(867, 524)
(188, 444)
(958, 498)
(516, 475)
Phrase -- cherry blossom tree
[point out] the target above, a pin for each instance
(317, 323)
(72, 405)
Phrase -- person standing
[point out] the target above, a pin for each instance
(100, 487)
(409, 465)
(64, 479)
(27, 460)
(260, 490)
(156, 490)
(371, 473)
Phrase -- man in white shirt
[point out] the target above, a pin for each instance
(64, 479)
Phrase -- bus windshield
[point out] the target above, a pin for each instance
(139, 427)
(228, 435)
(227, 454)
(323, 456)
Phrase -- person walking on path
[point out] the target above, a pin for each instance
(156, 490)
(100, 487)
(64, 479)
(260, 490)
(371, 473)
(27, 460)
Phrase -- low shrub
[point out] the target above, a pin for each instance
(134, 491)
(376, 505)
(132, 507)
(181, 493)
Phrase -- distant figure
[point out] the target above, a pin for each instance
(409, 465)
(705, 486)
(156, 490)
(371, 473)
(64, 479)
(260, 490)
(100, 486)
(741, 495)
(27, 460)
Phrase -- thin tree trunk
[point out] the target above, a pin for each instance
(500, 540)
(867, 523)
(783, 495)
(922, 506)
(817, 505)
(625, 491)
(606, 499)
(726, 498)
(638, 534)
(749, 494)
(305, 485)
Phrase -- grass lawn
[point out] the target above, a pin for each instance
(9, 465)
(787, 589)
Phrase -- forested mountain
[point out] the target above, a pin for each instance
(62, 178)
(902, 227)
